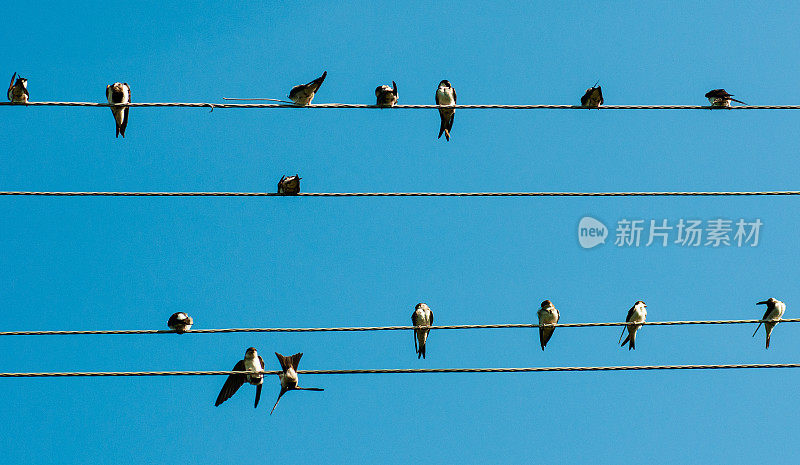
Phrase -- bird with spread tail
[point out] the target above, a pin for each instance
(288, 376)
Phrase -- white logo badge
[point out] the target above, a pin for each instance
(591, 232)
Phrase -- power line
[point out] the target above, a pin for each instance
(401, 194)
(405, 370)
(385, 328)
(406, 107)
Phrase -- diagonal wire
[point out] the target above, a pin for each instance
(384, 328)
(406, 370)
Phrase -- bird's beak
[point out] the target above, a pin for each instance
(763, 302)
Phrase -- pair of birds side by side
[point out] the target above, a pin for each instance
(549, 315)
(253, 363)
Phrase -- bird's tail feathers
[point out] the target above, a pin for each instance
(283, 391)
(757, 328)
(623, 333)
(258, 394)
(738, 101)
(309, 389)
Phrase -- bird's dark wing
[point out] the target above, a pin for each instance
(394, 88)
(296, 360)
(125, 111)
(295, 90)
(431, 317)
(585, 97)
(286, 362)
(258, 394)
(600, 91)
(414, 318)
(263, 367)
(630, 313)
(739, 101)
(437, 97)
(766, 314)
(283, 391)
(10, 86)
(455, 101)
(232, 384)
(309, 389)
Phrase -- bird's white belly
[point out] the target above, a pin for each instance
(445, 98)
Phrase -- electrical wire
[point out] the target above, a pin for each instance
(406, 107)
(385, 328)
(405, 370)
(401, 194)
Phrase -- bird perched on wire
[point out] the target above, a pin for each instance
(637, 314)
(422, 316)
(252, 362)
(547, 315)
(775, 309)
(304, 93)
(593, 97)
(446, 95)
(180, 322)
(387, 96)
(119, 92)
(720, 98)
(289, 185)
(288, 376)
(18, 90)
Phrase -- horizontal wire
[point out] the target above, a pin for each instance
(385, 328)
(399, 194)
(408, 107)
(404, 370)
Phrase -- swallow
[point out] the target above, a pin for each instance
(119, 92)
(422, 316)
(387, 96)
(720, 98)
(252, 362)
(636, 314)
(180, 322)
(446, 95)
(304, 93)
(775, 309)
(289, 185)
(289, 376)
(593, 97)
(18, 91)
(548, 315)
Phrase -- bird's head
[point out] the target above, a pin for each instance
(445, 83)
(640, 303)
(547, 304)
(251, 352)
(422, 306)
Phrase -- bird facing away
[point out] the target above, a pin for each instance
(548, 315)
(775, 309)
(720, 98)
(593, 97)
(446, 95)
(304, 93)
(252, 362)
(637, 314)
(119, 92)
(387, 96)
(180, 322)
(18, 90)
(288, 376)
(289, 185)
(422, 316)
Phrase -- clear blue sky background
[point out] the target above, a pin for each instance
(128, 263)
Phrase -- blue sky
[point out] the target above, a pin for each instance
(128, 263)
